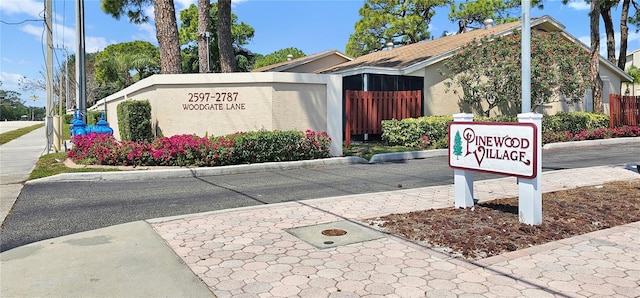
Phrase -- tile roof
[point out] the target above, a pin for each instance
(405, 56)
(282, 66)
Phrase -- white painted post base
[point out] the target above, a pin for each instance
(462, 179)
(463, 188)
(530, 190)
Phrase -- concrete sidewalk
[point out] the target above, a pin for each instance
(17, 160)
(251, 252)
(128, 260)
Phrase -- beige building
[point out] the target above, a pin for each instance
(220, 104)
(416, 67)
(633, 58)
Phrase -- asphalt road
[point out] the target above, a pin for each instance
(50, 210)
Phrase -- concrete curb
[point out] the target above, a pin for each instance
(196, 172)
(385, 157)
(269, 166)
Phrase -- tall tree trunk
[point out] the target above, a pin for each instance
(225, 41)
(624, 34)
(594, 68)
(167, 34)
(605, 11)
(204, 19)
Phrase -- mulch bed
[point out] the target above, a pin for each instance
(492, 227)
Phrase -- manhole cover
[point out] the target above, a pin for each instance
(334, 234)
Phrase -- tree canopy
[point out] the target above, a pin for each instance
(166, 26)
(125, 63)
(485, 74)
(474, 13)
(277, 57)
(241, 34)
(12, 107)
(396, 21)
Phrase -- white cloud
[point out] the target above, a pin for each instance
(147, 32)
(64, 36)
(30, 7)
(579, 5)
(183, 4)
(94, 44)
(10, 81)
(33, 30)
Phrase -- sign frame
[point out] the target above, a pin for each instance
(534, 145)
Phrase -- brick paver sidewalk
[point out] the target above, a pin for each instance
(246, 252)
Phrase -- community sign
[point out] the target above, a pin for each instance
(495, 147)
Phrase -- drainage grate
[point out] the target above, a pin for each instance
(334, 234)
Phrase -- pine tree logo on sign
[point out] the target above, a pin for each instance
(503, 148)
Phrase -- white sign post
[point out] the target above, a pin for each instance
(503, 148)
(463, 179)
(530, 190)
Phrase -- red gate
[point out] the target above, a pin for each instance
(624, 110)
(365, 110)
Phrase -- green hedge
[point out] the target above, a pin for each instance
(410, 131)
(92, 117)
(574, 122)
(134, 120)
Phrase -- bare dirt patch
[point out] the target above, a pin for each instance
(492, 227)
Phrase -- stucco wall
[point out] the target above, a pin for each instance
(439, 102)
(220, 104)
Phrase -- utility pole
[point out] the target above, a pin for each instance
(58, 122)
(48, 21)
(526, 56)
(81, 78)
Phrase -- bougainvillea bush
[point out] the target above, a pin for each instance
(590, 134)
(191, 150)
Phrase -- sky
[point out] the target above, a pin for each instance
(310, 25)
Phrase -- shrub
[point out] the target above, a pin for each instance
(562, 127)
(191, 150)
(502, 118)
(134, 120)
(410, 131)
(590, 134)
(574, 122)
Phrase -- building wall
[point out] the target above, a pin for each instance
(437, 101)
(220, 104)
(632, 59)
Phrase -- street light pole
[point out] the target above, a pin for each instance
(34, 98)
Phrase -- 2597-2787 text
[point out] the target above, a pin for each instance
(213, 101)
(217, 96)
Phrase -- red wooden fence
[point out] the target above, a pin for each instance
(624, 110)
(365, 110)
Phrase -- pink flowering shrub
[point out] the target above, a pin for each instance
(191, 150)
(424, 142)
(590, 134)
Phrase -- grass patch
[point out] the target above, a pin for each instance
(14, 134)
(52, 164)
(367, 150)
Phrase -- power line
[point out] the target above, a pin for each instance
(21, 22)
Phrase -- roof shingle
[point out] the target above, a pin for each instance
(405, 56)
